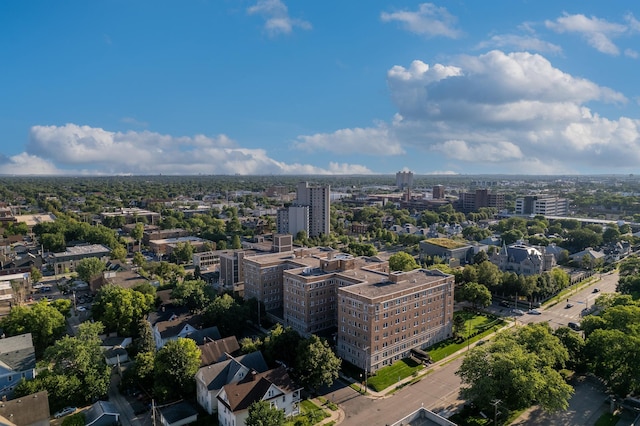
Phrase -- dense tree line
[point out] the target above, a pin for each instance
(533, 287)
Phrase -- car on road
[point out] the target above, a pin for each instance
(574, 326)
(534, 312)
(65, 411)
(568, 305)
(596, 290)
(518, 312)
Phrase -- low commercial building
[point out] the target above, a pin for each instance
(450, 251)
(67, 261)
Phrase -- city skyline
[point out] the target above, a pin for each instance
(266, 87)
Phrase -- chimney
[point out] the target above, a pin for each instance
(252, 375)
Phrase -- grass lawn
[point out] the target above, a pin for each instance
(310, 411)
(473, 324)
(607, 419)
(389, 375)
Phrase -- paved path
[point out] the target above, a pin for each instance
(127, 416)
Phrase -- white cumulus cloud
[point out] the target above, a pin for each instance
(516, 110)
(599, 33)
(75, 149)
(277, 19)
(372, 141)
(528, 43)
(429, 21)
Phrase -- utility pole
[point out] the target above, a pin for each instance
(495, 403)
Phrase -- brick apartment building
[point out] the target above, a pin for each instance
(382, 319)
(380, 316)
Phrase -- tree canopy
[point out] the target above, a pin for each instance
(402, 261)
(176, 365)
(518, 370)
(316, 364)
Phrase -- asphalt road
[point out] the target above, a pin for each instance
(559, 315)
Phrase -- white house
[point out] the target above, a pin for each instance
(273, 386)
(185, 326)
(212, 378)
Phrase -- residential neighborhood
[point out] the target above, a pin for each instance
(112, 321)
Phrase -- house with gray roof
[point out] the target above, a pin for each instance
(211, 379)
(101, 413)
(186, 326)
(17, 361)
(181, 413)
(523, 259)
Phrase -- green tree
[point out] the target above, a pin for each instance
(42, 320)
(176, 365)
(261, 413)
(120, 309)
(74, 370)
(137, 233)
(477, 294)
(511, 236)
(227, 314)
(402, 261)
(316, 364)
(507, 371)
(90, 268)
(36, 275)
(489, 274)
(236, 243)
(281, 345)
(139, 260)
(480, 257)
(145, 341)
(119, 253)
(194, 294)
(183, 252)
(53, 242)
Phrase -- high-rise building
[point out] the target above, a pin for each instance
(438, 192)
(472, 201)
(404, 180)
(310, 212)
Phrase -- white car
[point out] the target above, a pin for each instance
(518, 312)
(534, 312)
(65, 411)
(81, 309)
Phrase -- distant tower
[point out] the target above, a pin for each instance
(404, 180)
(438, 192)
(310, 212)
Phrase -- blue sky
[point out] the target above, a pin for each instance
(331, 87)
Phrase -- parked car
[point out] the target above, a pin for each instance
(518, 312)
(81, 309)
(534, 312)
(574, 326)
(504, 303)
(65, 411)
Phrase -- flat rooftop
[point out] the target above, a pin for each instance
(80, 250)
(379, 284)
(310, 259)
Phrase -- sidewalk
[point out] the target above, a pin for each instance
(372, 394)
(334, 416)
